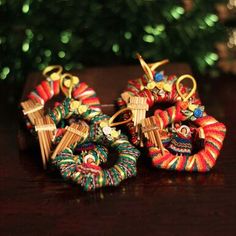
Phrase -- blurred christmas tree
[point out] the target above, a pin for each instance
(227, 51)
(73, 33)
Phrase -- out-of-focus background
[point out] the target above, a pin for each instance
(77, 34)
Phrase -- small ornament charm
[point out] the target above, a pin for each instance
(89, 159)
(151, 85)
(109, 132)
(181, 142)
(159, 76)
(106, 130)
(77, 107)
(74, 105)
(198, 112)
(82, 109)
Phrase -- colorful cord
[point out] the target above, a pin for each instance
(52, 86)
(203, 160)
(56, 83)
(162, 90)
(92, 176)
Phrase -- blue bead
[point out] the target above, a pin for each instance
(198, 113)
(158, 76)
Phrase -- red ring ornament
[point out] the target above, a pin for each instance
(202, 161)
(53, 86)
(55, 83)
(139, 87)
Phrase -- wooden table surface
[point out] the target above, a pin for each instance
(156, 202)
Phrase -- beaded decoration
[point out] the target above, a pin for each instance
(88, 173)
(156, 88)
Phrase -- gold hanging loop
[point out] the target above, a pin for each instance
(145, 67)
(186, 97)
(149, 68)
(157, 64)
(53, 72)
(111, 124)
(68, 81)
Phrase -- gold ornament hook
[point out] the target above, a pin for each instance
(111, 124)
(155, 65)
(145, 67)
(68, 81)
(193, 90)
(149, 68)
(53, 72)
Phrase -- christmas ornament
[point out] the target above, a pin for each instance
(33, 108)
(101, 131)
(156, 88)
(178, 154)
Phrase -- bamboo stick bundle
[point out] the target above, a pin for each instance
(151, 132)
(139, 106)
(157, 134)
(76, 132)
(32, 109)
(45, 128)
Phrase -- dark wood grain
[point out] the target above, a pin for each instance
(156, 202)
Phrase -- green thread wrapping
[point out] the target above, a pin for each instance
(126, 160)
